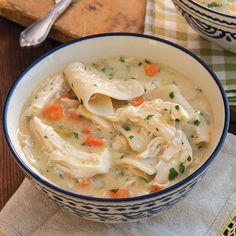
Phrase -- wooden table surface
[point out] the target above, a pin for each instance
(13, 61)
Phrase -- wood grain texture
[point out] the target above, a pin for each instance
(13, 61)
(85, 17)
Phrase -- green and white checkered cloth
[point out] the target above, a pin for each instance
(162, 20)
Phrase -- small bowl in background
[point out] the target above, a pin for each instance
(215, 26)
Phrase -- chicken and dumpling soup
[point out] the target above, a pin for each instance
(224, 6)
(116, 128)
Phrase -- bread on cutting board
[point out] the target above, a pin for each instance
(84, 17)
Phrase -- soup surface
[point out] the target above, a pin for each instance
(224, 6)
(116, 128)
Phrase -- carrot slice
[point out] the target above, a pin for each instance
(85, 182)
(53, 112)
(73, 116)
(156, 188)
(137, 101)
(151, 69)
(95, 142)
(86, 131)
(118, 193)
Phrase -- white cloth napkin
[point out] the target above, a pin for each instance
(203, 212)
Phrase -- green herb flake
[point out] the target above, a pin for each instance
(181, 168)
(110, 78)
(189, 158)
(197, 122)
(147, 61)
(145, 90)
(177, 120)
(214, 4)
(83, 144)
(122, 156)
(126, 127)
(177, 107)
(144, 179)
(45, 136)
(172, 174)
(131, 137)
(81, 102)
(172, 95)
(140, 63)
(76, 135)
(36, 96)
(115, 190)
(104, 69)
(149, 117)
(121, 59)
(61, 176)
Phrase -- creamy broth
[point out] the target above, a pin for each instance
(224, 6)
(125, 147)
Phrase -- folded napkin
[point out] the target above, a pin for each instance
(162, 20)
(207, 210)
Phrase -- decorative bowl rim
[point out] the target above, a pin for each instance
(137, 198)
(211, 10)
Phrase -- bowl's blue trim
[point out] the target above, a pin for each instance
(183, 182)
(211, 10)
(209, 19)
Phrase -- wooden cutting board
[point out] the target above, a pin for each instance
(84, 17)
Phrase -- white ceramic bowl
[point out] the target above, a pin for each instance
(112, 45)
(212, 25)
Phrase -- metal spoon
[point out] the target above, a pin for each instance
(37, 32)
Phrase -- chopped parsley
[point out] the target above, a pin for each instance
(121, 59)
(197, 122)
(61, 176)
(181, 168)
(110, 78)
(83, 144)
(122, 156)
(145, 90)
(81, 102)
(148, 117)
(126, 127)
(131, 137)
(213, 4)
(140, 63)
(36, 96)
(45, 136)
(147, 61)
(172, 95)
(144, 179)
(177, 120)
(189, 158)
(172, 174)
(177, 107)
(115, 190)
(76, 135)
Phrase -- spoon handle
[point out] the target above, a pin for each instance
(37, 32)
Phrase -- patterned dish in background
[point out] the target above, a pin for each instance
(212, 25)
(93, 48)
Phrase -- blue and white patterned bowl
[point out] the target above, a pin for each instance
(94, 48)
(212, 25)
